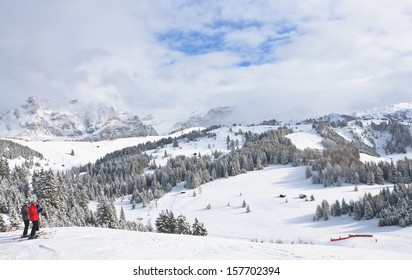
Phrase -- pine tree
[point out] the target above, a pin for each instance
(370, 178)
(160, 223)
(106, 214)
(182, 226)
(344, 207)
(122, 219)
(198, 228)
(358, 210)
(325, 207)
(149, 226)
(175, 143)
(171, 222)
(319, 213)
(369, 214)
(308, 173)
(402, 222)
(3, 204)
(166, 222)
(15, 219)
(337, 209)
(4, 168)
(2, 224)
(50, 190)
(379, 176)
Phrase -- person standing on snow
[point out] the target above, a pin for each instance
(26, 218)
(34, 217)
(39, 207)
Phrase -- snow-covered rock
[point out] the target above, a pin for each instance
(215, 116)
(36, 119)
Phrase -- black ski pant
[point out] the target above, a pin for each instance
(34, 228)
(26, 227)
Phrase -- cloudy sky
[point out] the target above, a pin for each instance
(269, 59)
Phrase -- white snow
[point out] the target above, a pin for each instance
(286, 229)
(303, 140)
(283, 227)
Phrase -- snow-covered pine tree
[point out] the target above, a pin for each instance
(337, 209)
(198, 228)
(149, 226)
(3, 203)
(308, 173)
(369, 213)
(49, 190)
(106, 214)
(175, 143)
(319, 213)
(2, 224)
(182, 225)
(370, 178)
(161, 222)
(402, 222)
(4, 168)
(15, 219)
(358, 210)
(36, 182)
(379, 176)
(171, 222)
(122, 219)
(326, 208)
(166, 222)
(344, 207)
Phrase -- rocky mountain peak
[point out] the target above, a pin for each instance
(36, 119)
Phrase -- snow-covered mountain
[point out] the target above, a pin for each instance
(398, 112)
(36, 119)
(377, 132)
(365, 128)
(215, 116)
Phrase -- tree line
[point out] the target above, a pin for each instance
(391, 207)
(132, 173)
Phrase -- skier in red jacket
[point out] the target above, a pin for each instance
(34, 218)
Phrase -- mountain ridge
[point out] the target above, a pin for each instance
(37, 119)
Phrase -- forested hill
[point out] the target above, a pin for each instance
(12, 150)
(133, 172)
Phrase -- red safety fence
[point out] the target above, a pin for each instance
(350, 236)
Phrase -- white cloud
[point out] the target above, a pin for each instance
(304, 58)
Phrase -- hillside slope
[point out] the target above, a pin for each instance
(109, 244)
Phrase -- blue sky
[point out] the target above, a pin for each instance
(268, 59)
(215, 39)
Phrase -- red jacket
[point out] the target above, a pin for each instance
(34, 215)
